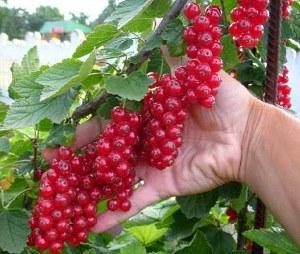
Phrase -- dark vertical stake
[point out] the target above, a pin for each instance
(274, 38)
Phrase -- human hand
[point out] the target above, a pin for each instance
(210, 156)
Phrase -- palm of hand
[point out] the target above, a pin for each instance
(210, 156)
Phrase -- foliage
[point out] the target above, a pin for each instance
(46, 97)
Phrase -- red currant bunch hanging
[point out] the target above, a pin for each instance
(248, 20)
(287, 8)
(284, 90)
(114, 165)
(204, 49)
(65, 210)
(163, 118)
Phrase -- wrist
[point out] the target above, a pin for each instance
(255, 136)
(271, 164)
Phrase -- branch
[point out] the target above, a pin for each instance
(89, 107)
(174, 12)
(143, 55)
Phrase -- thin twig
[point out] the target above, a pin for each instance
(143, 55)
(89, 107)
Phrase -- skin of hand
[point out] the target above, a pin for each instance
(217, 149)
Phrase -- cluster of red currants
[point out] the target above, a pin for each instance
(117, 156)
(286, 8)
(163, 117)
(204, 49)
(70, 190)
(248, 19)
(284, 90)
(164, 109)
(66, 208)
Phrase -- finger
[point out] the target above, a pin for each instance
(84, 134)
(49, 153)
(140, 199)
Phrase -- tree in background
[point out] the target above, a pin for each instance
(82, 18)
(14, 22)
(43, 14)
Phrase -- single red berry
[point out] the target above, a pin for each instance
(113, 205)
(191, 10)
(125, 205)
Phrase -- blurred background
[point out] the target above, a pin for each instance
(57, 27)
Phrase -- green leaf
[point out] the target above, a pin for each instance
(28, 112)
(247, 73)
(152, 43)
(115, 48)
(59, 78)
(173, 31)
(229, 56)
(121, 241)
(4, 145)
(62, 134)
(134, 248)
(139, 24)
(87, 67)
(182, 227)
(220, 241)
(239, 203)
(199, 245)
(30, 63)
(157, 63)
(196, 206)
(127, 10)
(93, 79)
(133, 87)
(45, 125)
(293, 44)
(102, 34)
(177, 47)
(26, 85)
(13, 230)
(154, 214)
(17, 188)
(158, 8)
(147, 233)
(230, 190)
(275, 241)
(3, 111)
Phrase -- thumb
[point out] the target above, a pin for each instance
(140, 199)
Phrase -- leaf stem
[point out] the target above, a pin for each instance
(226, 22)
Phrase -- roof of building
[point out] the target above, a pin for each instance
(63, 27)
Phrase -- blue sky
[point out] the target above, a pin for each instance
(90, 7)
